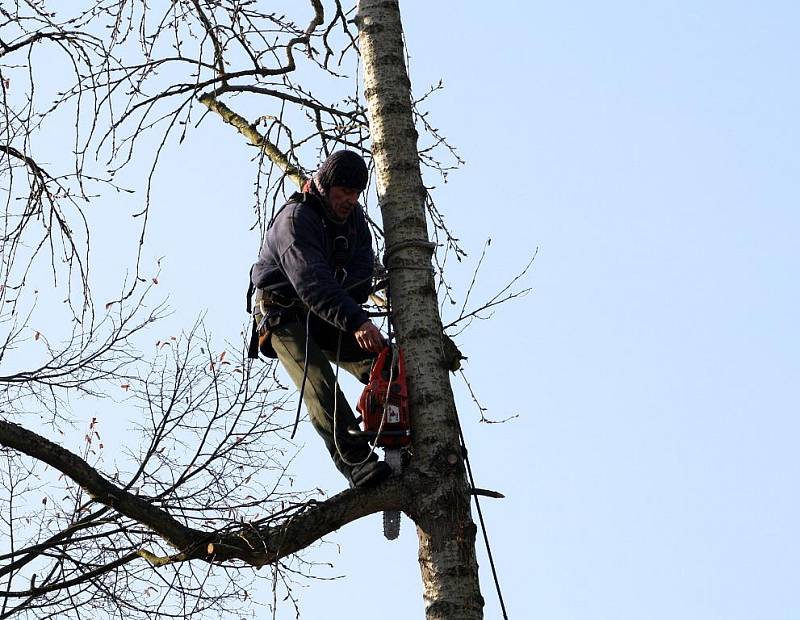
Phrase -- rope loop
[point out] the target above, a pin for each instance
(409, 243)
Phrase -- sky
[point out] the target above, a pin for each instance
(649, 151)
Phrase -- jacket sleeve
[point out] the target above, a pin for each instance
(361, 265)
(303, 261)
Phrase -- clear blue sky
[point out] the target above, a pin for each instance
(649, 150)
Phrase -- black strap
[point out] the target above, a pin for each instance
(252, 348)
(251, 288)
(341, 252)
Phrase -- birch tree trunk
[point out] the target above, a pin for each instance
(440, 504)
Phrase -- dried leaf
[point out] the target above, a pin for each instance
(125, 386)
(37, 335)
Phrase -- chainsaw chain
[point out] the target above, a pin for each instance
(391, 518)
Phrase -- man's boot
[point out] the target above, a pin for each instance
(368, 474)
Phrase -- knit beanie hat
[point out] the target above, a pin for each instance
(343, 168)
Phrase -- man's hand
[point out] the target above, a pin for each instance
(369, 337)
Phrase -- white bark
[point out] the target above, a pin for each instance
(441, 501)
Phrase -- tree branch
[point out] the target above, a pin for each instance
(87, 576)
(253, 543)
(249, 131)
(303, 101)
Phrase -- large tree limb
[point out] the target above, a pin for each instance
(253, 543)
(249, 131)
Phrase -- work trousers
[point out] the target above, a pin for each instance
(321, 396)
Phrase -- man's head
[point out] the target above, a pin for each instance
(341, 178)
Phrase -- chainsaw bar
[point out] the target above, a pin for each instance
(391, 518)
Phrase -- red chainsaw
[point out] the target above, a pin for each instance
(384, 413)
(384, 402)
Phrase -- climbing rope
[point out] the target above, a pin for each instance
(482, 522)
(305, 361)
(305, 376)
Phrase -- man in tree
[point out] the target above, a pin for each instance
(312, 275)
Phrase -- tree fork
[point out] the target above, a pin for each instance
(440, 503)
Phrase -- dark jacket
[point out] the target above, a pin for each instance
(301, 259)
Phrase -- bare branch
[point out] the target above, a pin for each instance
(502, 296)
(249, 131)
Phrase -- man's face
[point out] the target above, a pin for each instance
(342, 200)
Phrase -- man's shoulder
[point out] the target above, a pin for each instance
(360, 222)
(300, 209)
